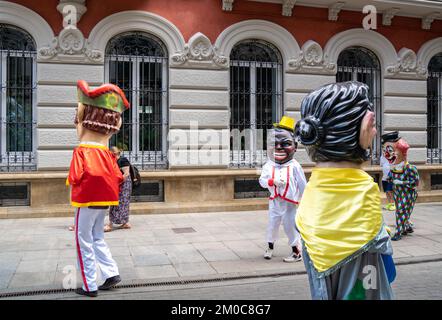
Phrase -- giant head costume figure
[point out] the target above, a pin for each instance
(99, 112)
(282, 144)
(394, 148)
(337, 123)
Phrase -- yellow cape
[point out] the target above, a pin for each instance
(339, 214)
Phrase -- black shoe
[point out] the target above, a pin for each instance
(92, 294)
(396, 238)
(410, 230)
(109, 283)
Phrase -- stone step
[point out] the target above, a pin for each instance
(170, 208)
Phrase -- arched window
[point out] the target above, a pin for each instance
(17, 90)
(434, 110)
(255, 100)
(137, 62)
(361, 64)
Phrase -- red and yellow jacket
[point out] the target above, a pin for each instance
(94, 176)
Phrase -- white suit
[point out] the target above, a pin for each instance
(284, 198)
(91, 248)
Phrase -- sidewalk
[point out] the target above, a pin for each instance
(34, 252)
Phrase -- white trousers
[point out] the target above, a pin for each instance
(92, 251)
(282, 211)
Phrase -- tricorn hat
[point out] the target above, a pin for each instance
(390, 137)
(108, 96)
(286, 123)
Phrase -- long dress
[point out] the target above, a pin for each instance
(347, 250)
(120, 214)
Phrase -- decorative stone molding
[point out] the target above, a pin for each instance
(406, 66)
(311, 60)
(228, 5)
(388, 15)
(79, 6)
(369, 39)
(428, 20)
(427, 51)
(258, 29)
(199, 52)
(287, 7)
(70, 46)
(135, 20)
(334, 9)
(28, 20)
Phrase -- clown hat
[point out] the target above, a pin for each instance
(108, 96)
(390, 137)
(286, 123)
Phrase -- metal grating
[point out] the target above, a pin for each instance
(137, 62)
(249, 188)
(255, 100)
(434, 110)
(360, 64)
(17, 100)
(436, 181)
(149, 191)
(183, 230)
(14, 194)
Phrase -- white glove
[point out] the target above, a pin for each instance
(395, 181)
(278, 182)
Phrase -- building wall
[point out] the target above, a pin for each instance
(199, 85)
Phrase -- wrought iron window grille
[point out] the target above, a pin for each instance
(137, 62)
(361, 64)
(17, 100)
(255, 100)
(434, 110)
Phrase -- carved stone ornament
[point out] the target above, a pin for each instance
(72, 7)
(70, 46)
(287, 7)
(406, 66)
(199, 52)
(428, 20)
(228, 5)
(334, 9)
(388, 16)
(311, 60)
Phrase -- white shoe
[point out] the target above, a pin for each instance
(293, 258)
(268, 254)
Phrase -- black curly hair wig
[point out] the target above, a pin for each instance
(331, 118)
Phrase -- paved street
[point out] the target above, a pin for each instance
(34, 253)
(414, 282)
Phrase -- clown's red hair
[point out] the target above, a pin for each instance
(402, 146)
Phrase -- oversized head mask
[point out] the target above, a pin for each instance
(388, 146)
(99, 110)
(281, 141)
(337, 123)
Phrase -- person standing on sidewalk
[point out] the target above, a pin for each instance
(284, 178)
(120, 214)
(386, 164)
(405, 179)
(346, 246)
(95, 178)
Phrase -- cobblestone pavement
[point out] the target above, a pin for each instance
(37, 253)
(420, 281)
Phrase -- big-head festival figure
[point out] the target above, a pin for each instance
(346, 247)
(283, 177)
(95, 178)
(405, 179)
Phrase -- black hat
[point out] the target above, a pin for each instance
(390, 137)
